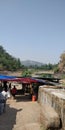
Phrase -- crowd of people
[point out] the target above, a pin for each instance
(8, 91)
(5, 93)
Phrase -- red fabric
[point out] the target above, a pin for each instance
(23, 80)
(14, 91)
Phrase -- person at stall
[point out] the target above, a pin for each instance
(5, 86)
(13, 91)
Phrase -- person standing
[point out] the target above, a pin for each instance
(3, 98)
(14, 91)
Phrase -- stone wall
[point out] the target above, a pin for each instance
(55, 97)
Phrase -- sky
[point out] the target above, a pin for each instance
(33, 29)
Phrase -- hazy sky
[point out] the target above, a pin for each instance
(33, 29)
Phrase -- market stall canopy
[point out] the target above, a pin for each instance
(27, 80)
(6, 78)
(17, 79)
(20, 79)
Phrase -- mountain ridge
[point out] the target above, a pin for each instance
(31, 63)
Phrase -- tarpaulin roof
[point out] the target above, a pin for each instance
(24, 80)
(14, 78)
(5, 77)
(20, 79)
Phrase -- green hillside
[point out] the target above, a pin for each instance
(8, 62)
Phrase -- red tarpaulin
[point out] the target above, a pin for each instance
(17, 79)
(24, 80)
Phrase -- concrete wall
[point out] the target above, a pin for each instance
(55, 97)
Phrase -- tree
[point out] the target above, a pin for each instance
(26, 73)
(62, 63)
(8, 62)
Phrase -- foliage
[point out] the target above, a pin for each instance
(62, 76)
(44, 67)
(62, 63)
(47, 75)
(7, 62)
(56, 69)
(26, 73)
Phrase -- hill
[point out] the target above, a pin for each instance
(8, 62)
(31, 63)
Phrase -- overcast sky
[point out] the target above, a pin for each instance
(33, 29)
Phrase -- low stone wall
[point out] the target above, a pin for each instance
(55, 97)
(49, 118)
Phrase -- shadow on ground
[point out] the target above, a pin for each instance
(8, 119)
(23, 98)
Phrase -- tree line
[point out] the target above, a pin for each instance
(10, 63)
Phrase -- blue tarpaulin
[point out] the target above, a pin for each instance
(5, 77)
(21, 79)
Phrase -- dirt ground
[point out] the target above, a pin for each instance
(21, 114)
